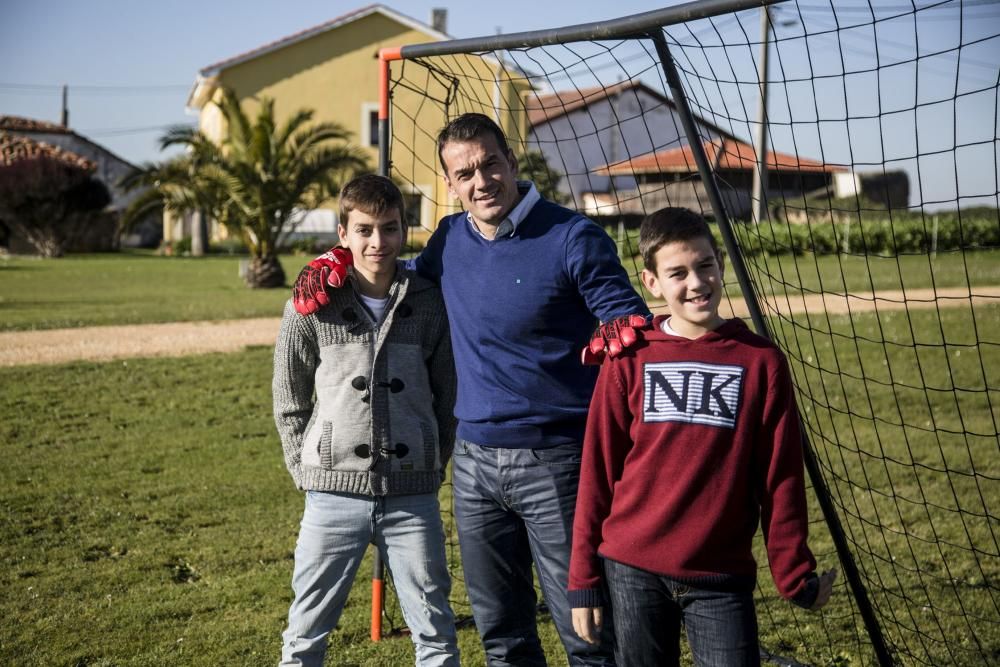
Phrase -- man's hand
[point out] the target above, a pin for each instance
(611, 338)
(329, 269)
(587, 622)
(825, 589)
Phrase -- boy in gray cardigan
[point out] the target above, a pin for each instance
(363, 396)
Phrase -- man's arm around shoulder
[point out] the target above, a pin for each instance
(592, 260)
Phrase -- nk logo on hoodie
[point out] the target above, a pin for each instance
(692, 392)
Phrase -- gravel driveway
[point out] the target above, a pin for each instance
(173, 339)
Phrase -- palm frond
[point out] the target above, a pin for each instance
(182, 135)
(317, 135)
(147, 202)
(261, 174)
(292, 126)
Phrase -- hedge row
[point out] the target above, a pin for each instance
(902, 234)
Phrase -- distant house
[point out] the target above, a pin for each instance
(332, 68)
(579, 131)
(108, 168)
(671, 178)
(613, 143)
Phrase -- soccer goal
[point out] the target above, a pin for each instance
(847, 154)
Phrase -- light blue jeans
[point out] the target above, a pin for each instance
(335, 532)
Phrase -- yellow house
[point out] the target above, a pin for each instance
(333, 69)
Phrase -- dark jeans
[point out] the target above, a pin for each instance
(515, 506)
(649, 609)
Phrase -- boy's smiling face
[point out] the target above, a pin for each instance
(688, 277)
(374, 241)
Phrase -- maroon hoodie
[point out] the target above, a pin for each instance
(689, 445)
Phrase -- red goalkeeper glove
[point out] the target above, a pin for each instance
(329, 269)
(612, 337)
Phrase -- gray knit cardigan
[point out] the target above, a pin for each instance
(365, 408)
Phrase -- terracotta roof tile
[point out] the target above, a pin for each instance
(14, 148)
(724, 154)
(20, 124)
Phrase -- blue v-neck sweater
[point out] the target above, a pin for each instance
(521, 308)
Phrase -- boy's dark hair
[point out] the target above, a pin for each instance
(371, 194)
(668, 225)
(467, 127)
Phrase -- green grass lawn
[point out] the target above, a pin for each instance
(131, 288)
(902, 410)
(147, 499)
(856, 274)
(146, 517)
(136, 288)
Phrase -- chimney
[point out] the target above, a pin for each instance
(439, 19)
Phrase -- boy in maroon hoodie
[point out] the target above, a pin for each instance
(692, 440)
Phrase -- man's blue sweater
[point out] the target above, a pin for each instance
(521, 309)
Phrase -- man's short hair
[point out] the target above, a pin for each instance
(371, 194)
(467, 127)
(669, 225)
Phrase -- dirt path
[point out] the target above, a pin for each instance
(183, 338)
(836, 304)
(174, 339)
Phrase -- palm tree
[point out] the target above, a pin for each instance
(183, 184)
(257, 182)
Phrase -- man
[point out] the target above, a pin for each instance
(524, 282)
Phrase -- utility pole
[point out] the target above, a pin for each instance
(65, 106)
(758, 197)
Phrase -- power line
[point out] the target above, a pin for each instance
(909, 49)
(119, 131)
(93, 89)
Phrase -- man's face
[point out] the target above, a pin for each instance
(688, 277)
(374, 241)
(482, 177)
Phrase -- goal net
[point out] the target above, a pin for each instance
(851, 151)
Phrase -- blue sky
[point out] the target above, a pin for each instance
(920, 93)
(152, 51)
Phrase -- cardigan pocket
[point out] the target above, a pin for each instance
(414, 445)
(340, 446)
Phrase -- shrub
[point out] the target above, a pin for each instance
(49, 196)
(181, 246)
(874, 233)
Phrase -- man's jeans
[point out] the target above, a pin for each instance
(513, 506)
(649, 608)
(336, 530)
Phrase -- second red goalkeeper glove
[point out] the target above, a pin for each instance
(612, 337)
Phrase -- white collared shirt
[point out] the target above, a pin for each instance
(507, 227)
